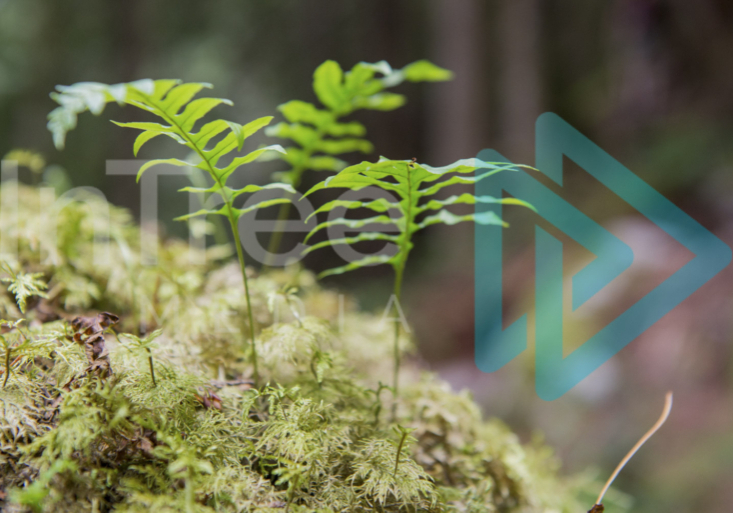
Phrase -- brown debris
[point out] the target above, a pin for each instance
(94, 325)
(598, 508)
(209, 400)
(89, 332)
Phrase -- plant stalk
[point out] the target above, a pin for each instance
(277, 235)
(397, 293)
(235, 232)
(7, 364)
(282, 217)
(662, 419)
(240, 257)
(284, 212)
(399, 273)
(399, 452)
(152, 372)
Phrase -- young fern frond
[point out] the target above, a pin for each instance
(403, 433)
(174, 103)
(412, 185)
(184, 462)
(144, 348)
(380, 482)
(318, 133)
(23, 285)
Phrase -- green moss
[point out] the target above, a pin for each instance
(319, 437)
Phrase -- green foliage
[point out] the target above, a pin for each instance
(53, 175)
(35, 494)
(317, 132)
(404, 179)
(174, 103)
(26, 158)
(10, 350)
(314, 440)
(185, 463)
(413, 185)
(288, 295)
(24, 285)
(189, 432)
(144, 347)
(383, 484)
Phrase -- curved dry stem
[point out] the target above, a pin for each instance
(642, 440)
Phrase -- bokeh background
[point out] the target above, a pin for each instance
(651, 81)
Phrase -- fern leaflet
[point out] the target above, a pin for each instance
(174, 103)
(318, 133)
(413, 185)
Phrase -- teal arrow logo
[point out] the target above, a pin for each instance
(556, 373)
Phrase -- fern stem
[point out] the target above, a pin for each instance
(228, 201)
(399, 452)
(277, 235)
(7, 363)
(284, 212)
(152, 372)
(240, 257)
(399, 272)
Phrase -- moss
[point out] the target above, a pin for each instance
(319, 437)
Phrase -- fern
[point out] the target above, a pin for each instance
(184, 462)
(173, 102)
(24, 285)
(8, 348)
(317, 132)
(34, 495)
(411, 183)
(381, 483)
(122, 434)
(144, 347)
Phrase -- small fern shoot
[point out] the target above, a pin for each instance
(10, 348)
(174, 103)
(23, 285)
(413, 185)
(143, 347)
(317, 132)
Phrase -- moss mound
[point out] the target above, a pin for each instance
(85, 428)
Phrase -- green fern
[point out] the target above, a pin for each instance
(173, 102)
(34, 495)
(23, 285)
(411, 183)
(10, 345)
(380, 483)
(317, 132)
(144, 347)
(184, 462)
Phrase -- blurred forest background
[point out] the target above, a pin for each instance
(651, 81)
